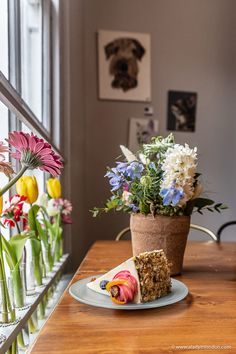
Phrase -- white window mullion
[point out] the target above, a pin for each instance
(4, 51)
(10, 97)
(46, 65)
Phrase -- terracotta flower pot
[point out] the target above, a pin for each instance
(161, 232)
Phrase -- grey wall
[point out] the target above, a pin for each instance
(193, 49)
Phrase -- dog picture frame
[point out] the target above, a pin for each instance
(182, 107)
(124, 66)
(141, 130)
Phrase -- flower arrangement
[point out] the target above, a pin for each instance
(33, 222)
(161, 179)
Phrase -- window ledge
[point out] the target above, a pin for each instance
(10, 331)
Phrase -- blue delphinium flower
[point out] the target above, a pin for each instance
(122, 166)
(134, 208)
(111, 172)
(118, 175)
(171, 195)
(116, 180)
(134, 170)
(153, 166)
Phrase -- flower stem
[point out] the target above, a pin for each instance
(13, 180)
(18, 227)
(18, 286)
(41, 310)
(37, 271)
(3, 293)
(32, 326)
(6, 303)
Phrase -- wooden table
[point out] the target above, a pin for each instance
(205, 320)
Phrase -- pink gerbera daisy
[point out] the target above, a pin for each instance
(34, 152)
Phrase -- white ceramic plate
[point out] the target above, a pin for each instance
(82, 293)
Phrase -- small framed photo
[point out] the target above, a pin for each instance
(141, 130)
(182, 107)
(124, 65)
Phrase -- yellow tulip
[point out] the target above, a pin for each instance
(28, 187)
(54, 188)
(1, 204)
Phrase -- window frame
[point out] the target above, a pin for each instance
(10, 90)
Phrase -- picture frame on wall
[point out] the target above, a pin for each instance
(124, 66)
(141, 130)
(182, 108)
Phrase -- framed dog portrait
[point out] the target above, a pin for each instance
(141, 130)
(182, 108)
(124, 65)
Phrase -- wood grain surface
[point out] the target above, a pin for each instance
(204, 322)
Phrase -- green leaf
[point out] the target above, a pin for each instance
(32, 217)
(17, 244)
(112, 203)
(44, 211)
(10, 253)
(223, 207)
(219, 206)
(42, 233)
(201, 202)
(144, 208)
(211, 210)
(48, 225)
(216, 206)
(36, 247)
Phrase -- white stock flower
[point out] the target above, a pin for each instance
(144, 159)
(179, 168)
(53, 208)
(126, 197)
(43, 201)
(198, 190)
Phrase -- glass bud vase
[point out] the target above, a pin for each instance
(47, 257)
(30, 279)
(18, 284)
(33, 323)
(5, 315)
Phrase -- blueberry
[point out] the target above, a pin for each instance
(103, 284)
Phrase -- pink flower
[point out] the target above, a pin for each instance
(64, 205)
(34, 152)
(3, 148)
(67, 207)
(5, 167)
(66, 219)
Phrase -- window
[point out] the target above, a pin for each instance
(25, 76)
(4, 37)
(31, 54)
(25, 62)
(35, 48)
(26, 55)
(3, 134)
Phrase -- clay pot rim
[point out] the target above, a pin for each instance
(150, 216)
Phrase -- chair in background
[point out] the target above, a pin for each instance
(223, 227)
(192, 226)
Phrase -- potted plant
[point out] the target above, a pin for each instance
(159, 186)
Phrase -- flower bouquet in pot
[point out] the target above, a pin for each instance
(159, 186)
